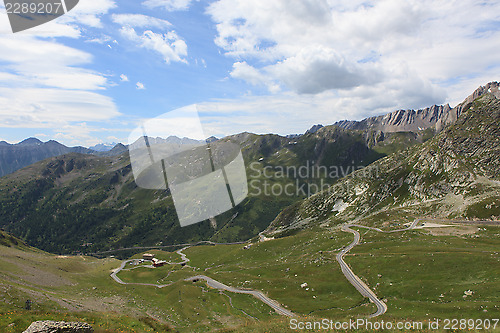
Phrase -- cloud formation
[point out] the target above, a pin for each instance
(47, 82)
(89, 13)
(324, 45)
(169, 5)
(292, 63)
(140, 21)
(167, 43)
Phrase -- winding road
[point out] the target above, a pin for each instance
(161, 247)
(210, 282)
(356, 281)
(120, 281)
(257, 294)
(362, 288)
(353, 278)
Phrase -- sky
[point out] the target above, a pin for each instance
(95, 74)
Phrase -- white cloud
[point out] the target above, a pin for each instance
(103, 39)
(124, 78)
(242, 70)
(409, 50)
(168, 45)
(140, 86)
(44, 63)
(288, 112)
(50, 108)
(89, 13)
(317, 69)
(169, 5)
(140, 21)
(46, 84)
(78, 134)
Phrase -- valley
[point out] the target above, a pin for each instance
(402, 268)
(411, 233)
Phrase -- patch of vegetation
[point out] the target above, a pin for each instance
(485, 209)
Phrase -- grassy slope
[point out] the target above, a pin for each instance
(419, 266)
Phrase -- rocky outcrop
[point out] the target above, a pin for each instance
(452, 115)
(314, 129)
(437, 116)
(400, 120)
(49, 326)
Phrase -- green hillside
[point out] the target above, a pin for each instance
(405, 269)
(83, 203)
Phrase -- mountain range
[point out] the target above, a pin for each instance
(89, 202)
(17, 156)
(436, 116)
(81, 203)
(454, 175)
(103, 146)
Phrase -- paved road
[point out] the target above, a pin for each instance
(184, 258)
(163, 247)
(120, 281)
(353, 278)
(357, 282)
(211, 283)
(346, 270)
(478, 222)
(257, 294)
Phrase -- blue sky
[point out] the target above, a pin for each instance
(262, 66)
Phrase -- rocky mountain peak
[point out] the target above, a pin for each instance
(400, 120)
(30, 142)
(436, 116)
(492, 87)
(452, 115)
(313, 129)
(460, 165)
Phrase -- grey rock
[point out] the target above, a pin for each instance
(452, 115)
(314, 129)
(400, 120)
(49, 326)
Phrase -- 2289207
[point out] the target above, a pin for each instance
(33, 8)
(470, 324)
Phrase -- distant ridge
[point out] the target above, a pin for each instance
(19, 155)
(436, 116)
(400, 120)
(103, 146)
(16, 156)
(30, 142)
(314, 129)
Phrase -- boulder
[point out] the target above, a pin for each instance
(49, 326)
